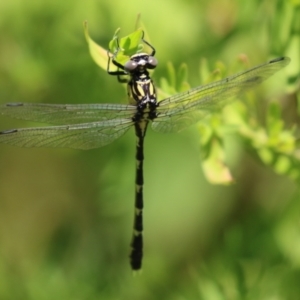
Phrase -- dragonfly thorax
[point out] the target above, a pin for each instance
(141, 89)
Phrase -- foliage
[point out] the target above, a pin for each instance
(65, 218)
(271, 143)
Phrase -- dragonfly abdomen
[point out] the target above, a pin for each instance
(136, 254)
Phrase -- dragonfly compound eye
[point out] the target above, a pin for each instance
(130, 66)
(152, 62)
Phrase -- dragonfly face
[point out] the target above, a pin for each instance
(87, 126)
(139, 63)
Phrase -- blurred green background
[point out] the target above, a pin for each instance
(66, 216)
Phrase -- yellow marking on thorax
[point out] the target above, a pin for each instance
(136, 91)
(139, 89)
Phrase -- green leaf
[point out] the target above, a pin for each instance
(113, 44)
(98, 53)
(122, 49)
(274, 122)
(283, 164)
(266, 155)
(168, 86)
(176, 82)
(182, 78)
(171, 75)
(127, 46)
(214, 166)
(213, 153)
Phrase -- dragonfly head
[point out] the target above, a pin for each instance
(140, 62)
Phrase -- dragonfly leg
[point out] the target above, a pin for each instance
(148, 44)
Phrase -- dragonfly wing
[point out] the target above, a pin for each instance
(78, 136)
(66, 114)
(179, 111)
(178, 121)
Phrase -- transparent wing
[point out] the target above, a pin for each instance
(66, 114)
(179, 111)
(78, 136)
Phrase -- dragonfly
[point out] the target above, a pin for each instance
(87, 126)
